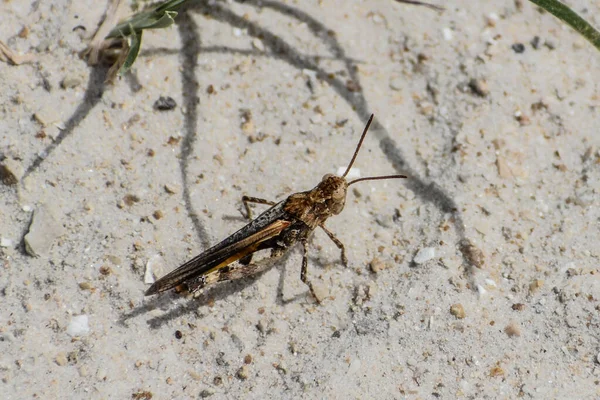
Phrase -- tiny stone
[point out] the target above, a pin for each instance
(479, 87)
(424, 255)
(70, 82)
(171, 189)
(242, 373)
(512, 330)
(44, 229)
(154, 267)
(503, 169)
(458, 311)
(157, 214)
(518, 307)
(447, 33)
(85, 286)
(165, 103)
(206, 393)
(396, 84)
(518, 48)
(11, 171)
(320, 292)
(377, 265)
(248, 359)
(6, 242)
(78, 326)
(535, 285)
(258, 44)
(471, 253)
(61, 359)
(131, 199)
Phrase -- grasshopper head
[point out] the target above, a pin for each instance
(332, 191)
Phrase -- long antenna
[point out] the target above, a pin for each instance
(376, 178)
(359, 144)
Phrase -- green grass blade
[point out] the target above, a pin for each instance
(570, 17)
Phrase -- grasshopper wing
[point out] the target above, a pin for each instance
(266, 226)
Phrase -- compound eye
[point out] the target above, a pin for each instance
(326, 176)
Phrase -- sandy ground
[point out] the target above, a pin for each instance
(477, 277)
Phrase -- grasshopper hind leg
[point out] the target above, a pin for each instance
(247, 200)
(304, 271)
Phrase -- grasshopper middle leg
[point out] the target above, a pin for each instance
(338, 243)
(247, 199)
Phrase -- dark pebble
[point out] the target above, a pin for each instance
(165, 103)
(518, 48)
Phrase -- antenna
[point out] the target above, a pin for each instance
(371, 178)
(376, 178)
(362, 137)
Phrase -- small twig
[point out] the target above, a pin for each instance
(7, 55)
(420, 3)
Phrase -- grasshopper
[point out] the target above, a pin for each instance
(279, 228)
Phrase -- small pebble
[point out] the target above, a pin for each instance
(61, 359)
(78, 326)
(171, 189)
(458, 311)
(396, 84)
(377, 265)
(258, 44)
(165, 103)
(535, 285)
(154, 267)
(320, 292)
(447, 33)
(44, 229)
(242, 373)
(11, 171)
(424, 255)
(471, 253)
(518, 48)
(512, 330)
(206, 393)
(503, 168)
(70, 82)
(6, 242)
(479, 87)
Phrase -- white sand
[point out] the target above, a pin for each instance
(510, 140)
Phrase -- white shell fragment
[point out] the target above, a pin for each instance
(424, 255)
(78, 326)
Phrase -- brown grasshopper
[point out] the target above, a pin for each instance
(279, 228)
